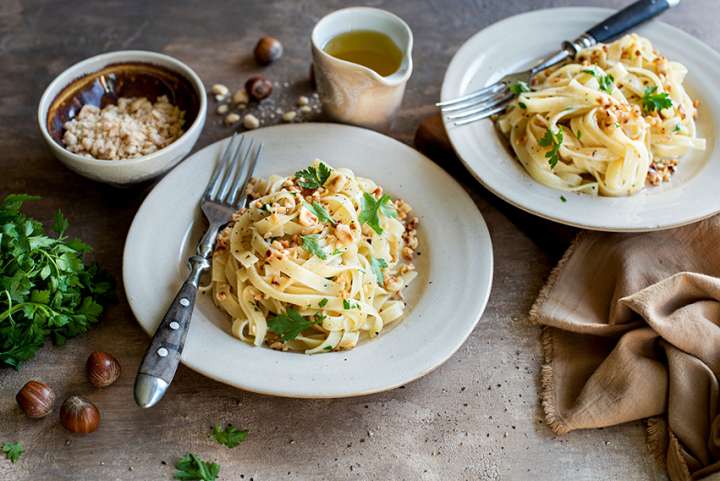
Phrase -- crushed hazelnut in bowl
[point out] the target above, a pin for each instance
(123, 117)
(132, 128)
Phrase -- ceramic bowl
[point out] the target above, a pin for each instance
(100, 81)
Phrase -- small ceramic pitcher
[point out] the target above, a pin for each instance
(352, 93)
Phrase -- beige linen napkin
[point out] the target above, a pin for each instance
(632, 331)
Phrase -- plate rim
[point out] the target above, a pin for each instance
(450, 71)
(479, 307)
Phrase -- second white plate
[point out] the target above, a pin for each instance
(514, 44)
(444, 302)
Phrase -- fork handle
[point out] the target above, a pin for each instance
(629, 17)
(162, 357)
(619, 23)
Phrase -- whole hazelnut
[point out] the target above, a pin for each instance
(258, 87)
(79, 415)
(267, 50)
(36, 399)
(102, 369)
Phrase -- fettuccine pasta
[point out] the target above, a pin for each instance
(315, 262)
(606, 123)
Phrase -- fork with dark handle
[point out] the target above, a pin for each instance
(494, 98)
(225, 193)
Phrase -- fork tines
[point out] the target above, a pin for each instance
(233, 171)
(477, 105)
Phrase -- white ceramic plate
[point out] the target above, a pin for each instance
(444, 302)
(517, 42)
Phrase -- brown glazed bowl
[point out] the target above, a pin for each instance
(100, 81)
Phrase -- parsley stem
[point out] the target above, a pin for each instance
(50, 258)
(17, 307)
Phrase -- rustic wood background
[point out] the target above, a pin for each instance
(475, 418)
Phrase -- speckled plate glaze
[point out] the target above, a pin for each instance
(501, 48)
(444, 302)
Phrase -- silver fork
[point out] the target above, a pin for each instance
(225, 193)
(494, 98)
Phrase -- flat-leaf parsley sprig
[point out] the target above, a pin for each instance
(313, 177)
(554, 141)
(370, 208)
(230, 436)
(13, 451)
(288, 325)
(652, 101)
(192, 468)
(311, 243)
(317, 209)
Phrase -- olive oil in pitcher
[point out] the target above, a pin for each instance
(374, 50)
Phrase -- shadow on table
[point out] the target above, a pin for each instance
(552, 237)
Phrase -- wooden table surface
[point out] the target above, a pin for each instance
(476, 418)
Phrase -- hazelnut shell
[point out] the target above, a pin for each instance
(102, 369)
(258, 87)
(36, 399)
(267, 50)
(79, 415)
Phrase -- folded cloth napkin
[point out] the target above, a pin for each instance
(631, 330)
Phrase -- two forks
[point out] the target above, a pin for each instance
(224, 194)
(494, 98)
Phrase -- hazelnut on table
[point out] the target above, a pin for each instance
(267, 50)
(258, 87)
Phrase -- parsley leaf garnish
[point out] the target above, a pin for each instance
(319, 211)
(369, 208)
(606, 83)
(312, 177)
(377, 265)
(562, 198)
(323, 302)
(310, 244)
(519, 88)
(230, 436)
(13, 451)
(347, 304)
(677, 128)
(652, 101)
(554, 141)
(522, 105)
(319, 318)
(289, 325)
(191, 468)
(46, 289)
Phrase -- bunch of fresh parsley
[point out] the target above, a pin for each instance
(46, 290)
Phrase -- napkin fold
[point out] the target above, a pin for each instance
(631, 330)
